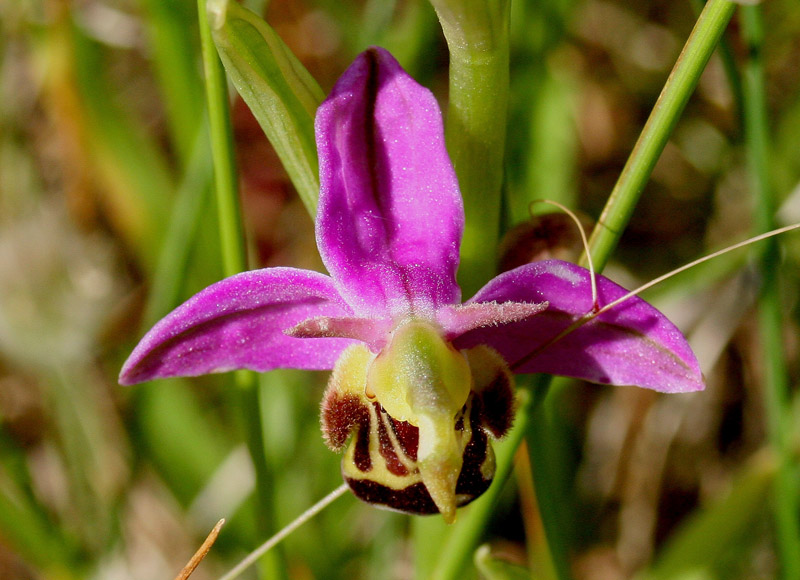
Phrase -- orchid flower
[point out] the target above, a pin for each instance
(420, 382)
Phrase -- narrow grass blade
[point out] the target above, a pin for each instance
(786, 505)
(666, 112)
(174, 44)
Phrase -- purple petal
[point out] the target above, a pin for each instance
(631, 344)
(239, 323)
(390, 212)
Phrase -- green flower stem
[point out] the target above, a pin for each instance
(477, 34)
(476, 121)
(666, 112)
(776, 391)
(226, 180)
(234, 257)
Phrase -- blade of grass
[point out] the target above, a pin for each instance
(670, 104)
(226, 180)
(173, 38)
(234, 258)
(620, 205)
(776, 388)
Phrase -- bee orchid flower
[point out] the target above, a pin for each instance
(421, 382)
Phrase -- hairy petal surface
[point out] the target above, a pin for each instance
(239, 323)
(631, 344)
(374, 332)
(458, 319)
(390, 213)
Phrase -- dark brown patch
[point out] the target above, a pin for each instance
(413, 499)
(495, 405)
(387, 450)
(408, 437)
(361, 456)
(340, 416)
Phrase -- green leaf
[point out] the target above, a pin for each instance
(280, 92)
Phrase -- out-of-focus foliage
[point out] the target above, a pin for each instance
(106, 223)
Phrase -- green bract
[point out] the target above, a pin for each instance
(280, 92)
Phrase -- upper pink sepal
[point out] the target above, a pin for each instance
(390, 213)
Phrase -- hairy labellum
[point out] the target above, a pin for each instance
(381, 462)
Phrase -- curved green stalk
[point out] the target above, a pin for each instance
(226, 181)
(618, 210)
(666, 112)
(776, 389)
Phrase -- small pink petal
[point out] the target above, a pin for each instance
(239, 323)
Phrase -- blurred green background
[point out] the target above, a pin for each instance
(107, 222)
